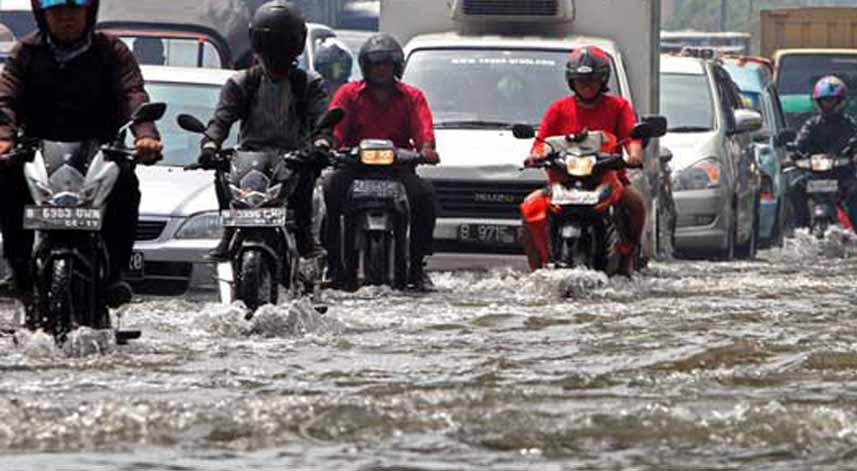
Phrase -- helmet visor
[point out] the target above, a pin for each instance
(45, 4)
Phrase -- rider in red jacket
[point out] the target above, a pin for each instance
(589, 108)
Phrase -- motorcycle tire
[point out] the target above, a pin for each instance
(61, 313)
(377, 264)
(399, 247)
(256, 285)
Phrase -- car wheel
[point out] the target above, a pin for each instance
(729, 252)
(748, 251)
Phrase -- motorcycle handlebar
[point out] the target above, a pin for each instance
(352, 157)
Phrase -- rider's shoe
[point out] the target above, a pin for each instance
(220, 253)
(418, 278)
(118, 293)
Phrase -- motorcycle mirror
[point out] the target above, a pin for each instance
(190, 123)
(784, 137)
(523, 131)
(149, 112)
(330, 119)
(657, 123)
(642, 131)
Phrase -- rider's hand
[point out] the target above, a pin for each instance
(430, 155)
(6, 146)
(634, 160)
(207, 154)
(534, 158)
(148, 150)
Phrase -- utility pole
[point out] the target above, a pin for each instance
(722, 15)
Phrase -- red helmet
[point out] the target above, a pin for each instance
(586, 62)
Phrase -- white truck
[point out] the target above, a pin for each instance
(487, 64)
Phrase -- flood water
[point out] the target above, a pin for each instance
(693, 365)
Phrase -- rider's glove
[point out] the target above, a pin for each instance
(208, 154)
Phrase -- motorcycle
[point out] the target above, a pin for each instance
(819, 176)
(375, 226)
(581, 228)
(263, 251)
(70, 183)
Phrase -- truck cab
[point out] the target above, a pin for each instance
(485, 66)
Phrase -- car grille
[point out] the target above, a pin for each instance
(511, 7)
(164, 279)
(150, 230)
(481, 199)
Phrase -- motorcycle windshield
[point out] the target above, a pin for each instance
(67, 163)
(245, 162)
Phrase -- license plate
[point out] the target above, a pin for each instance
(136, 267)
(46, 218)
(375, 188)
(261, 217)
(492, 234)
(563, 196)
(822, 186)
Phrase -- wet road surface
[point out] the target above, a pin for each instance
(692, 366)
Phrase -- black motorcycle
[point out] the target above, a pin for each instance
(375, 225)
(263, 252)
(70, 183)
(819, 176)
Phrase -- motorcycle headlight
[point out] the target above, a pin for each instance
(579, 166)
(702, 175)
(201, 226)
(377, 156)
(821, 163)
(66, 199)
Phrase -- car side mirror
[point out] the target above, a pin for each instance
(747, 121)
(665, 155)
(784, 137)
(657, 123)
(190, 123)
(523, 131)
(149, 112)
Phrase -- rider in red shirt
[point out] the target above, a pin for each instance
(589, 108)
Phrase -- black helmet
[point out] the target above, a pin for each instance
(381, 48)
(39, 7)
(278, 34)
(588, 62)
(333, 60)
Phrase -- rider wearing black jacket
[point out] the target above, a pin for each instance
(829, 132)
(65, 82)
(277, 104)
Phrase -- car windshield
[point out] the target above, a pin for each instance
(686, 102)
(798, 72)
(489, 87)
(749, 77)
(182, 147)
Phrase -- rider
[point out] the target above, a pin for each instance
(67, 82)
(828, 132)
(333, 61)
(382, 107)
(589, 108)
(277, 104)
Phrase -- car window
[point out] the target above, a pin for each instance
(496, 85)
(797, 73)
(777, 108)
(728, 102)
(182, 147)
(20, 22)
(175, 52)
(686, 101)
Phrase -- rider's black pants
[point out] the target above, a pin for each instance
(421, 198)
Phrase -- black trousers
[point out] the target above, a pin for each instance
(119, 227)
(421, 198)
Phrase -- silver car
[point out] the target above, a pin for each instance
(715, 182)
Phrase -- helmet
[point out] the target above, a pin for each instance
(587, 62)
(830, 87)
(381, 48)
(333, 60)
(39, 7)
(278, 34)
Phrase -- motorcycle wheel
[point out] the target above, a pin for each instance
(256, 285)
(566, 253)
(376, 260)
(400, 262)
(819, 228)
(61, 314)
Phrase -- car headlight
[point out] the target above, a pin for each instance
(201, 226)
(702, 175)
